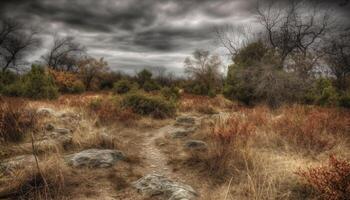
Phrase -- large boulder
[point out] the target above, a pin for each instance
(196, 145)
(96, 158)
(154, 184)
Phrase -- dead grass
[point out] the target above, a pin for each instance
(51, 182)
(16, 120)
(203, 104)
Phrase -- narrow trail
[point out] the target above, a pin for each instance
(155, 160)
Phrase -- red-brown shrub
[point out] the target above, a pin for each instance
(332, 181)
(226, 139)
(109, 110)
(309, 128)
(15, 120)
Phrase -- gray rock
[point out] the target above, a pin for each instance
(18, 161)
(185, 121)
(96, 158)
(154, 184)
(180, 132)
(62, 131)
(45, 111)
(196, 145)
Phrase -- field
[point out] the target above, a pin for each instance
(221, 149)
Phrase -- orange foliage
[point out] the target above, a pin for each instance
(67, 81)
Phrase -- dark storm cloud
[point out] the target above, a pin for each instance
(138, 33)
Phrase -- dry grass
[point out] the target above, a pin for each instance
(51, 182)
(16, 119)
(203, 104)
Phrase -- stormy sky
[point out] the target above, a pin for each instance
(133, 34)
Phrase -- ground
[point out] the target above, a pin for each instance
(264, 168)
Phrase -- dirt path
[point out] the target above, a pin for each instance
(155, 160)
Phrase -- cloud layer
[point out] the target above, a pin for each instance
(132, 34)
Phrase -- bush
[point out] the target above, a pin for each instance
(171, 94)
(332, 181)
(124, 86)
(323, 93)
(156, 107)
(15, 120)
(109, 110)
(36, 84)
(67, 82)
(150, 85)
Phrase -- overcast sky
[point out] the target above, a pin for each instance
(133, 34)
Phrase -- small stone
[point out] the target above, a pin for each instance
(62, 131)
(49, 127)
(181, 132)
(45, 111)
(185, 121)
(196, 145)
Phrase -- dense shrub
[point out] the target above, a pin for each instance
(322, 93)
(332, 181)
(142, 104)
(124, 86)
(109, 110)
(67, 82)
(35, 84)
(7, 78)
(171, 93)
(151, 85)
(15, 120)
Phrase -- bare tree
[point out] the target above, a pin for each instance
(295, 28)
(7, 27)
(15, 42)
(233, 38)
(204, 68)
(90, 70)
(338, 57)
(64, 54)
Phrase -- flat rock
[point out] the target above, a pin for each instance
(180, 132)
(18, 161)
(196, 145)
(45, 111)
(96, 158)
(154, 184)
(185, 121)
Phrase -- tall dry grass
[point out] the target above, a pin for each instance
(16, 119)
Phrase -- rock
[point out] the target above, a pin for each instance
(62, 131)
(49, 127)
(45, 111)
(97, 158)
(181, 132)
(196, 145)
(185, 121)
(154, 184)
(18, 161)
